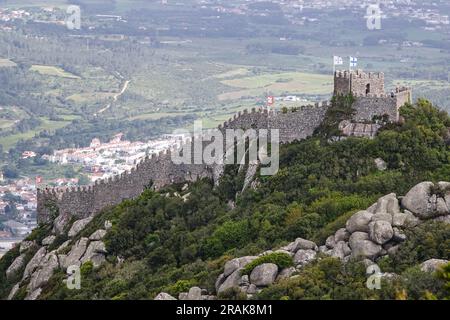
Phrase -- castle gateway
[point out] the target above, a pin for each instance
(64, 204)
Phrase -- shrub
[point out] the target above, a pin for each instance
(282, 260)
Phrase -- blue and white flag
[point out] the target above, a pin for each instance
(338, 61)
(353, 62)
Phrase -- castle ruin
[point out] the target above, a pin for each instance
(296, 124)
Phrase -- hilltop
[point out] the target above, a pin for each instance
(186, 235)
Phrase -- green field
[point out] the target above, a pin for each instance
(279, 83)
(53, 71)
(6, 63)
(9, 141)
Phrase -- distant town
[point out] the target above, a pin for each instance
(98, 161)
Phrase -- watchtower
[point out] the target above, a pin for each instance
(359, 83)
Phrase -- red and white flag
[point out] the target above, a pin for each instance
(38, 180)
(270, 100)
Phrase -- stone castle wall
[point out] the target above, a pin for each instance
(295, 124)
(81, 202)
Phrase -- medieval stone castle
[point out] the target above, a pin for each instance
(296, 124)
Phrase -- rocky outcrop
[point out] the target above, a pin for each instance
(78, 226)
(433, 265)
(264, 274)
(43, 264)
(15, 266)
(164, 296)
(367, 236)
(425, 204)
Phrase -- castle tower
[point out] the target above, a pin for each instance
(359, 83)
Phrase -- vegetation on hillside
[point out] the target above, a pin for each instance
(169, 244)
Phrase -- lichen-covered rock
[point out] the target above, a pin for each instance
(342, 235)
(15, 266)
(75, 254)
(359, 222)
(382, 217)
(13, 291)
(98, 235)
(44, 272)
(195, 293)
(341, 250)
(234, 264)
(357, 237)
(220, 279)
(366, 249)
(330, 242)
(433, 265)
(164, 296)
(286, 273)
(388, 204)
(399, 236)
(264, 274)
(418, 201)
(232, 281)
(303, 257)
(300, 244)
(78, 226)
(63, 246)
(25, 245)
(95, 253)
(34, 262)
(49, 240)
(60, 223)
(380, 232)
(34, 295)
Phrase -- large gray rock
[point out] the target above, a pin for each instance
(13, 291)
(78, 226)
(25, 245)
(220, 279)
(366, 249)
(341, 250)
(300, 244)
(75, 254)
(34, 295)
(17, 264)
(330, 242)
(232, 281)
(237, 263)
(388, 204)
(95, 253)
(49, 240)
(342, 235)
(286, 273)
(303, 257)
(61, 222)
(357, 237)
(98, 235)
(382, 217)
(44, 272)
(419, 201)
(433, 265)
(264, 274)
(34, 262)
(406, 219)
(359, 222)
(380, 232)
(195, 293)
(164, 296)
